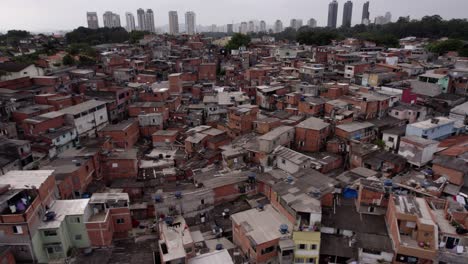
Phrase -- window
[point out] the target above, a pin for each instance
(202, 201)
(78, 237)
(101, 117)
(120, 221)
(301, 246)
(299, 260)
(311, 260)
(313, 247)
(268, 250)
(75, 219)
(17, 230)
(48, 233)
(390, 139)
(283, 161)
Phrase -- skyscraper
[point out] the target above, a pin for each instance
(190, 22)
(93, 22)
(263, 26)
(312, 23)
(214, 28)
(141, 19)
(130, 20)
(278, 26)
(243, 28)
(347, 14)
(230, 28)
(173, 23)
(251, 27)
(388, 17)
(332, 14)
(365, 13)
(149, 21)
(111, 20)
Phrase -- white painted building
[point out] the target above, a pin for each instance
(87, 117)
(13, 70)
(280, 136)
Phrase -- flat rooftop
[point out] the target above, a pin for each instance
(79, 108)
(355, 126)
(428, 124)
(215, 257)
(65, 208)
(175, 238)
(25, 179)
(313, 123)
(261, 226)
(276, 133)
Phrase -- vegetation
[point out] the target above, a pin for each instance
(432, 27)
(12, 37)
(238, 40)
(135, 36)
(97, 36)
(68, 60)
(442, 47)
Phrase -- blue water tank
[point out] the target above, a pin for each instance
(178, 194)
(169, 220)
(158, 198)
(290, 179)
(388, 182)
(283, 229)
(219, 246)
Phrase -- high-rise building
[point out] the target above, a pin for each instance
(263, 26)
(93, 22)
(214, 28)
(365, 13)
(130, 22)
(230, 28)
(347, 14)
(251, 27)
(332, 14)
(141, 19)
(149, 21)
(388, 17)
(296, 23)
(278, 26)
(111, 20)
(312, 23)
(243, 28)
(190, 22)
(173, 23)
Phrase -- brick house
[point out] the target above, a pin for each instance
(124, 134)
(311, 134)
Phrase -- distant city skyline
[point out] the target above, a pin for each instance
(222, 12)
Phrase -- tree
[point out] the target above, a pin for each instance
(237, 41)
(135, 36)
(442, 47)
(97, 36)
(68, 60)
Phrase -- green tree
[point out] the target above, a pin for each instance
(68, 60)
(237, 41)
(135, 36)
(441, 47)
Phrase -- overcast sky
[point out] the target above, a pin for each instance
(48, 15)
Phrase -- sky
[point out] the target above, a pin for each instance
(53, 15)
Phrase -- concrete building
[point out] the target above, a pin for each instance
(412, 229)
(280, 136)
(16, 70)
(93, 21)
(360, 131)
(87, 117)
(258, 233)
(311, 134)
(296, 23)
(332, 14)
(263, 26)
(347, 14)
(365, 13)
(173, 23)
(130, 19)
(312, 23)
(418, 151)
(176, 244)
(24, 198)
(291, 161)
(243, 28)
(111, 20)
(230, 28)
(141, 17)
(149, 21)
(278, 26)
(190, 22)
(109, 217)
(123, 135)
(434, 128)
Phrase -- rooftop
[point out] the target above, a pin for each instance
(79, 108)
(25, 179)
(65, 208)
(215, 257)
(428, 124)
(261, 225)
(276, 133)
(313, 123)
(355, 126)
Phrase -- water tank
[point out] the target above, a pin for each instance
(178, 194)
(283, 229)
(388, 183)
(290, 179)
(169, 220)
(158, 198)
(219, 246)
(260, 207)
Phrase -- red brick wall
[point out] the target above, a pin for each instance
(313, 140)
(124, 138)
(455, 177)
